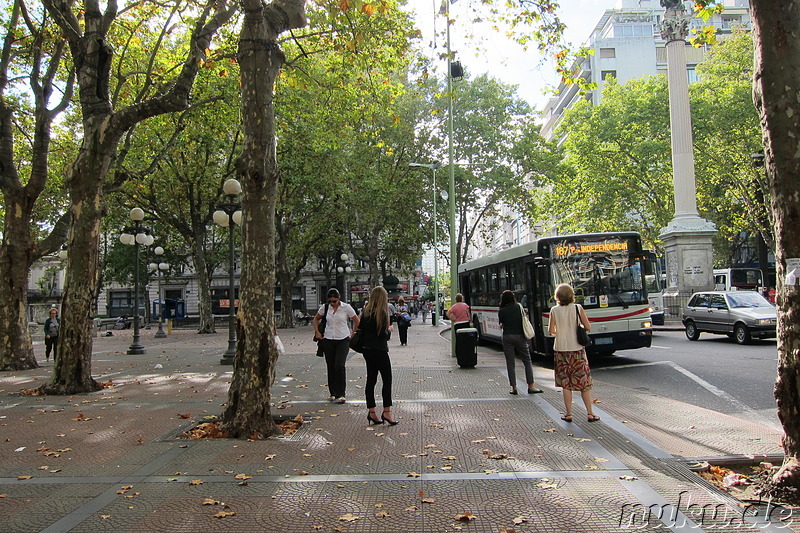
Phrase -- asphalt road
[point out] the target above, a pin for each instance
(713, 372)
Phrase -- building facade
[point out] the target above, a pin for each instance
(627, 44)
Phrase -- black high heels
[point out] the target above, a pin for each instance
(389, 420)
(373, 420)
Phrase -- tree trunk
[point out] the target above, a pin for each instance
(775, 90)
(72, 372)
(287, 313)
(16, 350)
(248, 411)
(203, 287)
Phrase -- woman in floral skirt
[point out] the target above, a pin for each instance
(570, 362)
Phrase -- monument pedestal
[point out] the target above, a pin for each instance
(689, 259)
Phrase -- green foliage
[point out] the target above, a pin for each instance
(619, 156)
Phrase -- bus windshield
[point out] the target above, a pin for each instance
(603, 277)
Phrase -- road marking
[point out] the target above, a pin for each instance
(710, 388)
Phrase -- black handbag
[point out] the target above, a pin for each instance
(583, 336)
(321, 325)
(357, 341)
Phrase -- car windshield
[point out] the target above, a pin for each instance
(747, 299)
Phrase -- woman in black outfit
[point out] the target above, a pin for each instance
(376, 329)
(514, 341)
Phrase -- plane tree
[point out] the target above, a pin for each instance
(108, 111)
(36, 83)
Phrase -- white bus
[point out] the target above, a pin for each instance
(606, 270)
(655, 287)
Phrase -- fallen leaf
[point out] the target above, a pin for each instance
(196, 482)
(105, 516)
(518, 520)
(411, 508)
(466, 516)
(428, 500)
(546, 485)
(413, 474)
(210, 501)
(242, 476)
(187, 415)
(20, 478)
(628, 478)
(382, 514)
(223, 514)
(349, 517)
(270, 457)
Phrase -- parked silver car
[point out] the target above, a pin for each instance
(739, 314)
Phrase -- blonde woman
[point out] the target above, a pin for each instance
(571, 366)
(377, 328)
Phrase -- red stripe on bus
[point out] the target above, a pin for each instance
(591, 319)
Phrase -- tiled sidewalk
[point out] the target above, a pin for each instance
(466, 456)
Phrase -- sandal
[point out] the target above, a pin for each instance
(566, 418)
(593, 418)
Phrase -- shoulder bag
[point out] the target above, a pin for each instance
(321, 326)
(583, 336)
(357, 341)
(527, 327)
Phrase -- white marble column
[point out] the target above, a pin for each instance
(687, 238)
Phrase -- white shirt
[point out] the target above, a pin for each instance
(566, 328)
(336, 326)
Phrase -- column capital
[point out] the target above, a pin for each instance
(675, 25)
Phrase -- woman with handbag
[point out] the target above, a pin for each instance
(376, 328)
(335, 341)
(571, 365)
(403, 314)
(515, 343)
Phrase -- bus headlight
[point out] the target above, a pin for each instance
(647, 324)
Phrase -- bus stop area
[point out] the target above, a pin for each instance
(466, 456)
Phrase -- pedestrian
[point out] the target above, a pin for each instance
(377, 328)
(570, 362)
(336, 342)
(459, 314)
(51, 329)
(403, 319)
(425, 308)
(514, 342)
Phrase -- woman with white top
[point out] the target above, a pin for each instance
(570, 362)
(336, 341)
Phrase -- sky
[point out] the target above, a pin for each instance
(498, 56)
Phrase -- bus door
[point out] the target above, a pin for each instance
(539, 291)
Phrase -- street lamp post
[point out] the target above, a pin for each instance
(159, 268)
(139, 236)
(343, 269)
(433, 167)
(226, 215)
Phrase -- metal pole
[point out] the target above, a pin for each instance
(230, 354)
(136, 347)
(435, 253)
(452, 203)
(160, 333)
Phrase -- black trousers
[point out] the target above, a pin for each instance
(378, 362)
(51, 344)
(335, 358)
(403, 332)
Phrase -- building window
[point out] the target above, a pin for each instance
(606, 73)
(633, 30)
(608, 52)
